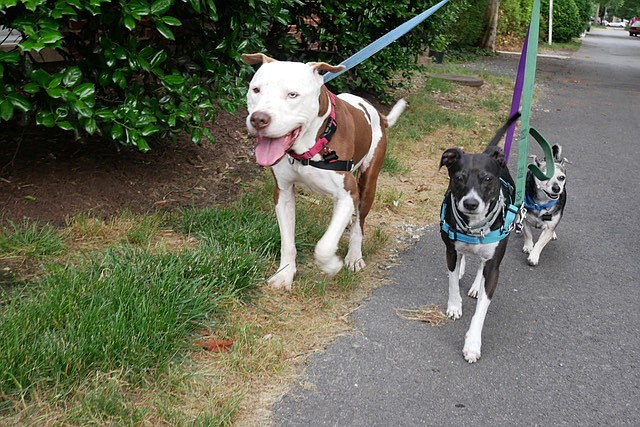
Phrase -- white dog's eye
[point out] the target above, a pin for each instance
(561, 178)
(256, 90)
(293, 95)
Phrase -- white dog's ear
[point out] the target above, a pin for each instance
(323, 66)
(256, 58)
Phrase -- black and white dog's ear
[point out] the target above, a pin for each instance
(450, 156)
(495, 152)
(557, 153)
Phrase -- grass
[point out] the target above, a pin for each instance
(102, 329)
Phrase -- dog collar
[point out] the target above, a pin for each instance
(323, 140)
(485, 227)
(336, 165)
(531, 205)
(510, 213)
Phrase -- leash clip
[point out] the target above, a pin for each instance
(517, 224)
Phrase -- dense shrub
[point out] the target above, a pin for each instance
(471, 26)
(129, 70)
(333, 30)
(586, 9)
(566, 20)
(514, 18)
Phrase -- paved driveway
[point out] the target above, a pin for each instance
(561, 341)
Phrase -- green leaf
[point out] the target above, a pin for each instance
(129, 22)
(31, 88)
(149, 129)
(105, 114)
(6, 110)
(85, 90)
(10, 57)
(54, 82)
(45, 118)
(61, 112)
(119, 79)
(65, 125)
(160, 7)
(19, 102)
(31, 44)
(56, 92)
(91, 126)
(82, 109)
(48, 36)
(142, 144)
(196, 135)
(41, 77)
(116, 132)
(208, 135)
(170, 20)
(71, 76)
(164, 30)
(158, 58)
(195, 4)
(174, 80)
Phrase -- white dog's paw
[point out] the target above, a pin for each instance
(330, 266)
(533, 259)
(454, 311)
(355, 264)
(471, 351)
(283, 279)
(527, 249)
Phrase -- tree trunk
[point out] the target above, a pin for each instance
(491, 18)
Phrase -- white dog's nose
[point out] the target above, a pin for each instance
(260, 120)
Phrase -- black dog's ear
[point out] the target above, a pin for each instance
(557, 153)
(450, 156)
(495, 152)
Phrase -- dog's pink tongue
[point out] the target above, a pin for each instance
(270, 150)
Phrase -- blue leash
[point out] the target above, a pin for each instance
(384, 41)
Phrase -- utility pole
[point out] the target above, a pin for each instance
(550, 21)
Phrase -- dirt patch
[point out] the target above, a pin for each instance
(48, 176)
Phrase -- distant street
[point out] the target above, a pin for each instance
(561, 342)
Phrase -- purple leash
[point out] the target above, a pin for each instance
(517, 95)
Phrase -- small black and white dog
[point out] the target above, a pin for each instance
(476, 218)
(544, 202)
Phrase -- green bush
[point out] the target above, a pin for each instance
(566, 20)
(514, 17)
(333, 30)
(129, 69)
(586, 9)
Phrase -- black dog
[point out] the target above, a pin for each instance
(476, 218)
(544, 201)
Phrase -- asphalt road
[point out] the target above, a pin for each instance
(561, 342)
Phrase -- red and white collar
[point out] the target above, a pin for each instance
(325, 137)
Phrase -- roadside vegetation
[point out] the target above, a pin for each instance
(164, 319)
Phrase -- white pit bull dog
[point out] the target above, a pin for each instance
(316, 139)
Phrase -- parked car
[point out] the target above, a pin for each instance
(634, 29)
(617, 24)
